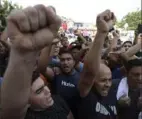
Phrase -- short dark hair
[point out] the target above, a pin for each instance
(127, 42)
(88, 38)
(132, 63)
(65, 51)
(78, 47)
(35, 75)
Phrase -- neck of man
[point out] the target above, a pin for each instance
(69, 73)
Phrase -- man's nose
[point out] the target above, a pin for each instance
(46, 90)
(108, 83)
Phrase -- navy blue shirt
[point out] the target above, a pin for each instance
(96, 107)
(116, 73)
(66, 86)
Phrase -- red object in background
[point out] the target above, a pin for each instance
(64, 25)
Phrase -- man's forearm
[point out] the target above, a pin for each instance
(91, 65)
(93, 58)
(17, 82)
(131, 52)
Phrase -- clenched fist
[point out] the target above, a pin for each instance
(105, 21)
(32, 28)
(124, 101)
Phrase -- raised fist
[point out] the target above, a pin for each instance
(115, 34)
(32, 28)
(105, 21)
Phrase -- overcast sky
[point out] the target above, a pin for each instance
(86, 10)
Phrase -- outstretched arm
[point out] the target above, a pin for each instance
(131, 52)
(93, 58)
(91, 64)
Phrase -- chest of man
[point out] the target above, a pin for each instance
(92, 107)
(66, 85)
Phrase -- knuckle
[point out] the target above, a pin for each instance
(31, 12)
(21, 18)
(39, 6)
(108, 11)
(32, 16)
(41, 10)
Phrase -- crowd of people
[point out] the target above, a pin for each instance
(43, 76)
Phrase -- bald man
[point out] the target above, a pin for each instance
(103, 80)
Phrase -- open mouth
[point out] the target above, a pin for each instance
(66, 67)
(105, 90)
(104, 93)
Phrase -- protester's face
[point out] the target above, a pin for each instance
(40, 97)
(135, 77)
(103, 81)
(126, 46)
(65, 42)
(67, 62)
(75, 52)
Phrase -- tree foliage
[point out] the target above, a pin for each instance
(5, 8)
(132, 18)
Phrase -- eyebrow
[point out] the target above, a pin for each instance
(40, 88)
(104, 78)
